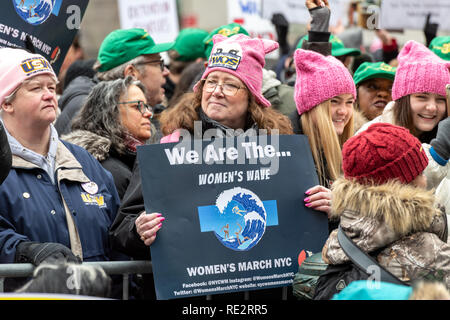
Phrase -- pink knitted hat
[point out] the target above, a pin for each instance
(318, 79)
(243, 57)
(419, 70)
(17, 65)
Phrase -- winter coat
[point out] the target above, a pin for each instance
(400, 220)
(71, 101)
(434, 171)
(35, 209)
(120, 165)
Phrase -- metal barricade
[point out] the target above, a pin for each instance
(125, 268)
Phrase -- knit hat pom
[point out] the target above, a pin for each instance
(381, 153)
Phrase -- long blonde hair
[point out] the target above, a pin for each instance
(326, 145)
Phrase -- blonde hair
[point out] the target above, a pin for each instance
(326, 145)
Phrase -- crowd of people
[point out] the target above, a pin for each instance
(377, 121)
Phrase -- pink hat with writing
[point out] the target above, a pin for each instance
(243, 57)
(318, 79)
(17, 65)
(419, 70)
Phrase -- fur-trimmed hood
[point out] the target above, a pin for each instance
(404, 208)
(375, 216)
(96, 145)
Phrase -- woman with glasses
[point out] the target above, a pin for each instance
(114, 120)
(228, 96)
(227, 100)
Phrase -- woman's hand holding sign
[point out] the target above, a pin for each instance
(147, 225)
(319, 198)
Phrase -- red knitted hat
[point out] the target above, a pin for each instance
(381, 153)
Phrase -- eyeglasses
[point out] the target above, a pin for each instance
(228, 89)
(161, 63)
(141, 106)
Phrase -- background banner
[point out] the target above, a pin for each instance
(51, 25)
(412, 14)
(235, 215)
(158, 17)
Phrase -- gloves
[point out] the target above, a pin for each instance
(36, 253)
(430, 30)
(441, 144)
(281, 26)
(320, 19)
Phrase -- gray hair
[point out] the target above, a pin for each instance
(100, 112)
(118, 72)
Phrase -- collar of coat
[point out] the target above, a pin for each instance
(95, 144)
(71, 169)
(404, 208)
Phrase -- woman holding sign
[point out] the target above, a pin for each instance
(227, 101)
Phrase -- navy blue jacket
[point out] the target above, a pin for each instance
(32, 208)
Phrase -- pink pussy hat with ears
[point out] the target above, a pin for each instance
(419, 70)
(16, 66)
(318, 79)
(243, 57)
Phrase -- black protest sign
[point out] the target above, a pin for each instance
(50, 24)
(235, 215)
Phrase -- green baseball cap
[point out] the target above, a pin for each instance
(371, 70)
(337, 47)
(123, 45)
(189, 44)
(441, 46)
(226, 30)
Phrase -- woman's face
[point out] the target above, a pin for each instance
(427, 110)
(341, 111)
(225, 99)
(35, 102)
(133, 114)
(373, 96)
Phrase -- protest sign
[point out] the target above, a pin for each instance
(235, 215)
(296, 11)
(50, 24)
(412, 14)
(248, 14)
(158, 17)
